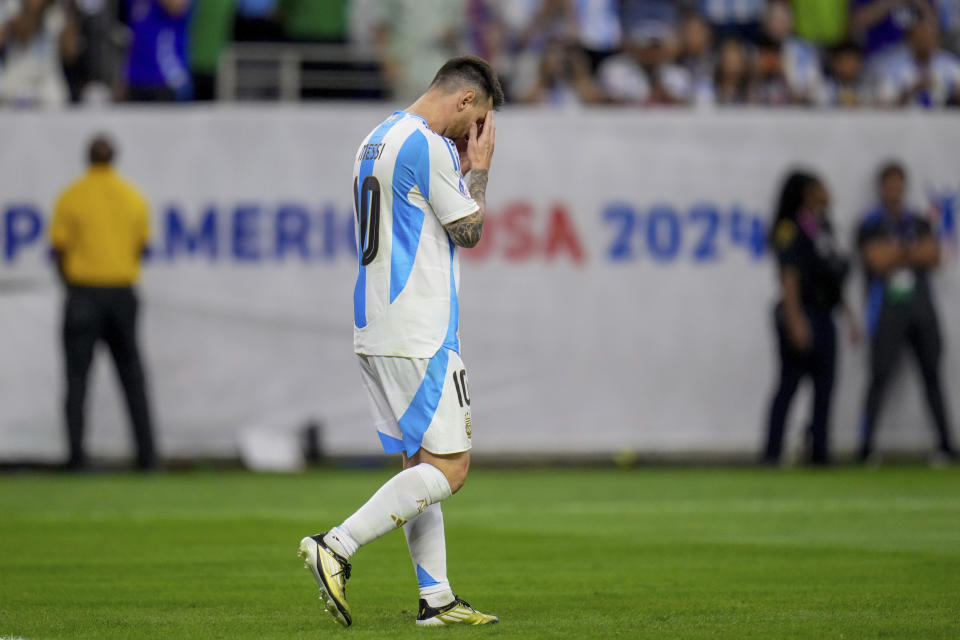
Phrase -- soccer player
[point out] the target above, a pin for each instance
(413, 211)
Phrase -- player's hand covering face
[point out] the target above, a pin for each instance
(480, 142)
(476, 148)
(464, 160)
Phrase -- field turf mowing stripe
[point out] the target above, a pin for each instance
(662, 553)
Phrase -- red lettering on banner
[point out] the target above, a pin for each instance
(562, 237)
(516, 234)
(520, 243)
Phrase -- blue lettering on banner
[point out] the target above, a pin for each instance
(748, 231)
(338, 231)
(246, 233)
(179, 237)
(254, 233)
(706, 217)
(663, 233)
(667, 234)
(292, 231)
(22, 224)
(944, 204)
(622, 216)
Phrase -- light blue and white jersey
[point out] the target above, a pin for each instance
(406, 186)
(900, 72)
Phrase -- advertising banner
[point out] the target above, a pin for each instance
(621, 299)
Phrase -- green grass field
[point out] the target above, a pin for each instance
(576, 553)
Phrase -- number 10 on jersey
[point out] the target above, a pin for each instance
(367, 204)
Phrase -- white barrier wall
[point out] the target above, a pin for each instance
(620, 299)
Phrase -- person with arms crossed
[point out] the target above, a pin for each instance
(899, 250)
(413, 211)
(100, 228)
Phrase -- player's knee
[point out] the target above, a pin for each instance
(457, 474)
(457, 478)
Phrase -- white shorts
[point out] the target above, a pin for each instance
(418, 402)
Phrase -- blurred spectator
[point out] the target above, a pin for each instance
(210, 28)
(100, 227)
(921, 73)
(315, 20)
(257, 21)
(880, 24)
(415, 38)
(846, 85)
(524, 40)
(731, 81)
(811, 275)
(37, 37)
(96, 72)
(768, 81)
(696, 47)
(526, 27)
(565, 79)
(948, 16)
(599, 29)
(645, 73)
(822, 22)
(799, 60)
(635, 13)
(899, 250)
(739, 18)
(157, 69)
(363, 19)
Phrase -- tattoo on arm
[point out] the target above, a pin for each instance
(478, 187)
(466, 232)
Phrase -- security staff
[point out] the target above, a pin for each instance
(899, 250)
(99, 231)
(812, 271)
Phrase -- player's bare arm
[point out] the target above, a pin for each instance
(466, 232)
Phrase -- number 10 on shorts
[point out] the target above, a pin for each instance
(460, 383)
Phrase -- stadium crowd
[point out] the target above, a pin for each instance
(562, 53)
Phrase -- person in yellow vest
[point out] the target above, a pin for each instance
(100, 228)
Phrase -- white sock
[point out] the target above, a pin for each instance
(341, 542)
(428, 550)
(402, 498)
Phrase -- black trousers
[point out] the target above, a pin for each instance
(914, 324)
(109, 314)
(819, 363)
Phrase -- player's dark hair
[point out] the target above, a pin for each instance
(473, 72)
(101, 150)
(891, 168)
(792, 194)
